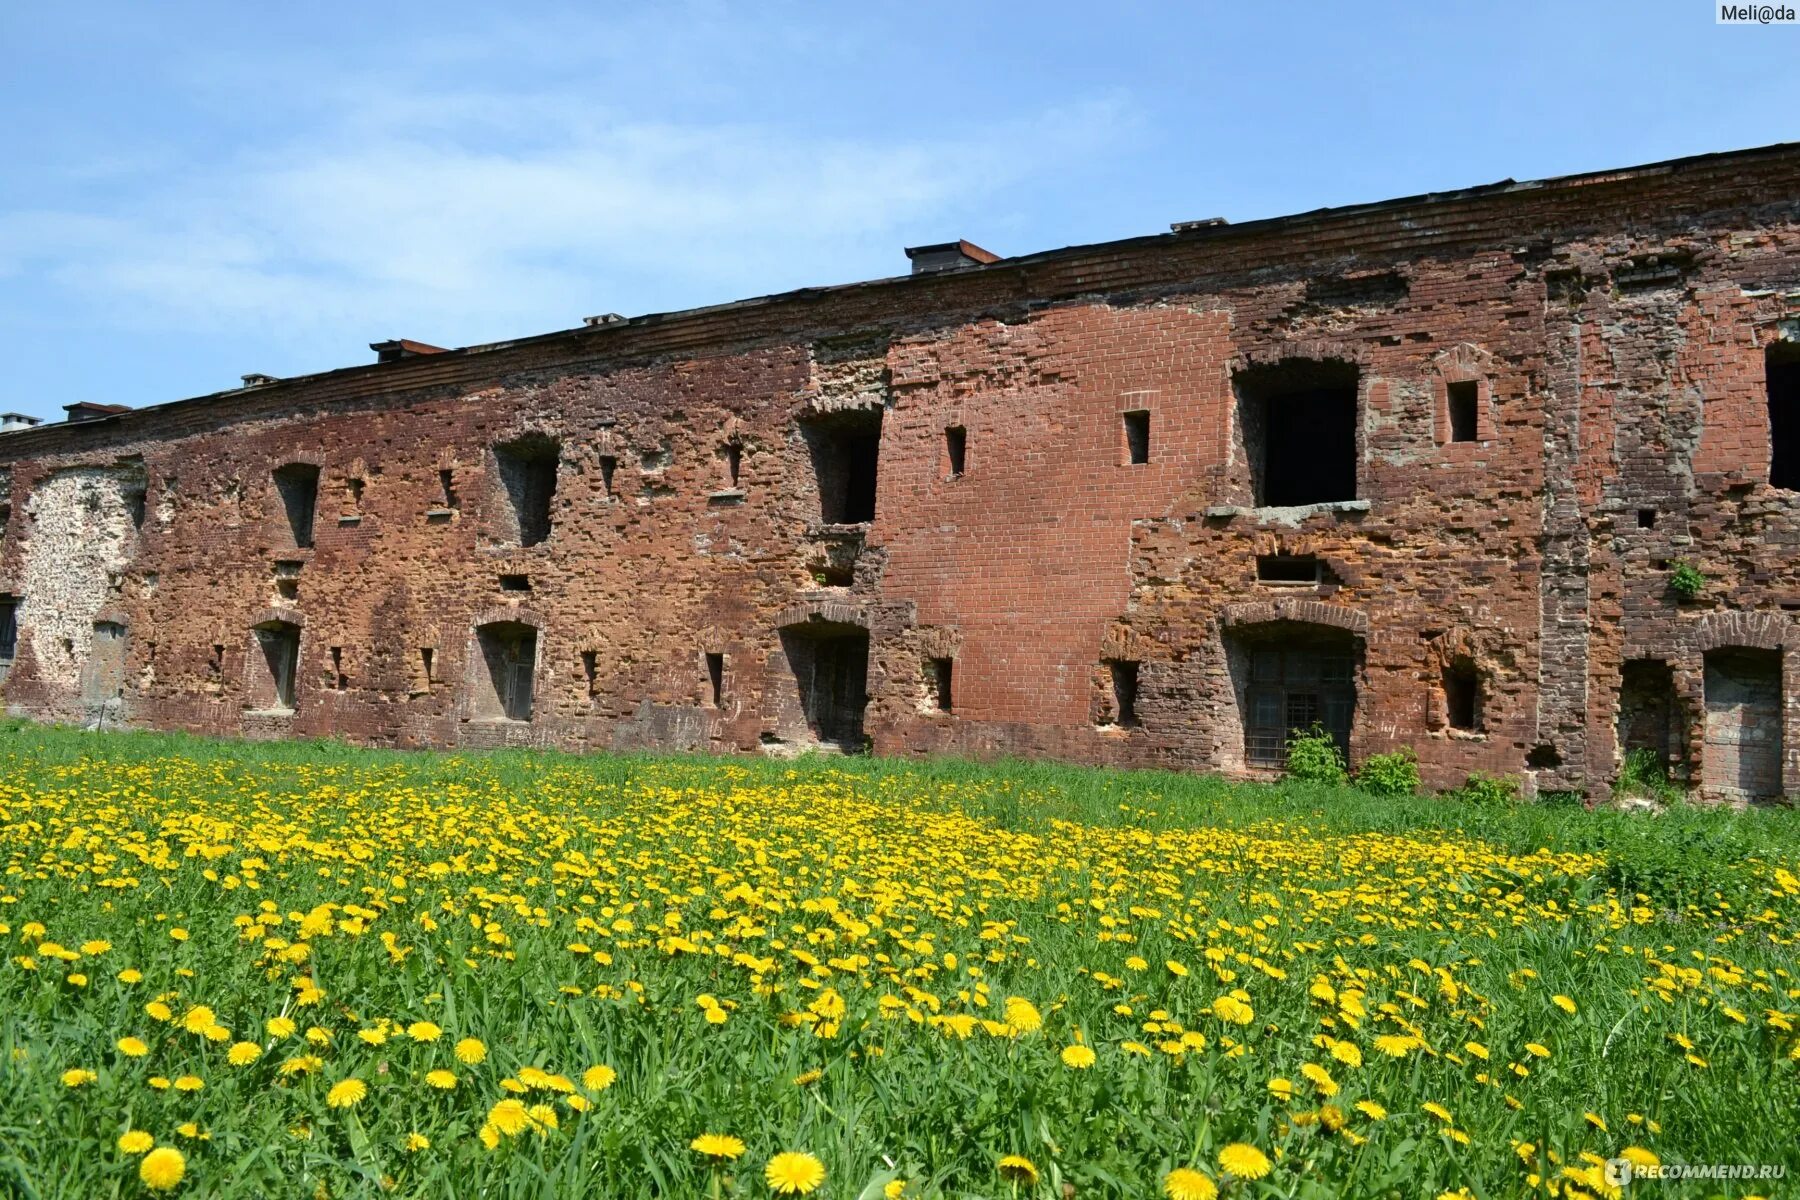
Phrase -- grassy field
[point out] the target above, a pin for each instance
(307, 970)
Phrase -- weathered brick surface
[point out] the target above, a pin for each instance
(1614, 330)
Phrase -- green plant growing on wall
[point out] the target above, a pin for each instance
(1313, 755)
(1685, 579)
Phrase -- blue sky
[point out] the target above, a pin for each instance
(195, 191)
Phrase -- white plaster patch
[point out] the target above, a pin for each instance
(78, 535)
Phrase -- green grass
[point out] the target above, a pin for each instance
(1453, 920)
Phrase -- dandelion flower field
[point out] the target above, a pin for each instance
(305, 970)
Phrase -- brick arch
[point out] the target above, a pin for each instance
(1757, 630)
(299, 458)
(1319, 349)
(284, 616)
(1314, 612)
(509, 614)
(833, 612)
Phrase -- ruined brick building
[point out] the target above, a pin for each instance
(1419, 471)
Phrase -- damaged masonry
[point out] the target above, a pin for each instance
(1420, 473)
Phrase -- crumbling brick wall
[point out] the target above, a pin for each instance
(1521, 405)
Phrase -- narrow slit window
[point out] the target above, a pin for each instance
(1124, 677)
(298, 486)
(715, 677)
(1463, 399)
(339, 681)
(609, 465)
(956, 449)
(1462, 696)
(734, 464)
(427, 667)
(1137, 437)
(939, 679)
(590, 670)
(447, 482)
(1783, 373)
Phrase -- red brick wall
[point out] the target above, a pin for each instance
(1615, 328)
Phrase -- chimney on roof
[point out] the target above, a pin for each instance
(400, 348)
(12, 421)
(948, 256)
(87, 410)
(257, 379)
(603, 319)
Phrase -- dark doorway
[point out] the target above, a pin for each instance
(1743, 724)
(831, 668)
(509, 666)
(9, 632)
(1289, 676)
(280, 646)
(1299, 425)
(846, 450)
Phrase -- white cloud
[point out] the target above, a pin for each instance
(470, 216)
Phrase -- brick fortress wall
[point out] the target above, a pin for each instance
(1505, 413)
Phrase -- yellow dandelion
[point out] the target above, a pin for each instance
(1023, 1015)
(1185, 1183)
(1018, 1168)
(1078, 1058)
(1537, 1050)
(543, 1117)
(1564, 1003)
(242, 1054)
(132, 1047)
(509, 1117)
(1371, 1110)
(1244, 1161)
(1641, 1158)
(471, 1051)
(135, 1141)
(1176, 969)
(794, 1173)
(189, 1083)
(490, 1136)
(346, 1092)
(199, 1019)
(721, 1146)
(78, 1077)
(162, 1169)
(424, 1031)
(1396, 1045)
(598, 1078)
(416, 1142)
(279, 1027)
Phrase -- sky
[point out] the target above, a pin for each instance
(195, 191)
